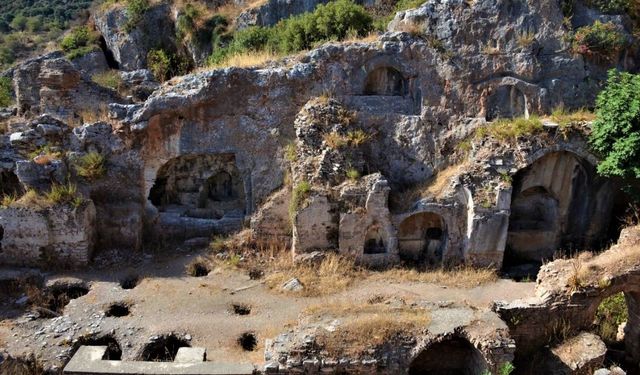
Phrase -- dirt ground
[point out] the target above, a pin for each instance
(167, 300)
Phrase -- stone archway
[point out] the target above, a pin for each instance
(386, 81)
(451, 356)
(558, 202)
(375, 241)
(422, 237)
(202, 186)
(506, 102)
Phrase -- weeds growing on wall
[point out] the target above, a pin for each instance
(6, 92)
(91, 166)
(610, 314)
(600, 40)
(299, 195)
(510, 129)
(135, 10)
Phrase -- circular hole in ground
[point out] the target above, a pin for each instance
(117, 310)
(129, 281)
(248, 341)
(241, 309)
(198, 269)
(52, 301)
(255, 274)
(113, 352)
(163, 348)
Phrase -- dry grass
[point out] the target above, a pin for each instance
(365, 326)
(89, 116)
(564, 118)
(369, 38)
(434, 187)
(249, 59)
(334, 274)
(31, 199)
(462, 277)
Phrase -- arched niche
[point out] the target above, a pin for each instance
(386, 81)
(555, 205)
(452, 356)
(375, 241)
(204, 186)
(422, 238)
(506, 102)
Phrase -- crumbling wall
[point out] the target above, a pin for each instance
(62, 235)
(568, 293)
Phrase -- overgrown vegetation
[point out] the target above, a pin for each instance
(510, 129)
(299, 195)
(616, 130)
(332, 21)
(135, 10)
(6, 92)
(600, 40)
(110, 79)
(28, 26)
(91, 166)
(79, 42)
(196, 25)
(610, 314)
(164, 64)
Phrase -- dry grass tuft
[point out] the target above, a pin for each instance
(334, 274)
(249, 59)
(365, 326)
(462, 277)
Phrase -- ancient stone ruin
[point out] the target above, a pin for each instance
(433, 147)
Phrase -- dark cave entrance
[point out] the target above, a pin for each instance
(386, 81)
(452, 356)
(112, 63)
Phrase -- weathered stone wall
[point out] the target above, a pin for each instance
(62, 235)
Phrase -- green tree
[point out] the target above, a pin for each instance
(616, 130)
(159, 63)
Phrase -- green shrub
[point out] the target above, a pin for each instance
(19, 23)
(601, 39)
(332, 21)
(135, 11)
(616, 130)
(159, 64)
(91, 166)
(6, 92)
(79, 42)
